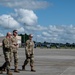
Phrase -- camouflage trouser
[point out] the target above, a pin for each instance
(31, 59)
(10, 55)
(15, 54)
(7, 60)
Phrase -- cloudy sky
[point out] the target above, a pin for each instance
(47, 20)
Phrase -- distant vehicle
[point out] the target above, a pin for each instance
(48, 45)
(35, 45)
(42, 45)
(57, 46)
(23, 45)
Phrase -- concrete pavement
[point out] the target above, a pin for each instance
(47, 62)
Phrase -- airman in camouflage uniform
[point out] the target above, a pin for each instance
(29, 54)
(15, 50)
(6, 51)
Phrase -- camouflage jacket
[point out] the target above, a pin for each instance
(14, 43)
(6, 44)
(29, 47)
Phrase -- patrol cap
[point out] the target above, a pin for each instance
(30, 35)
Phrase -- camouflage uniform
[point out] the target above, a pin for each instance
(7, 51)
(29, 54)
(15, 52)
(10, 48)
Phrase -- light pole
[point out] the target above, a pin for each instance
(24, 33)
(8, 23)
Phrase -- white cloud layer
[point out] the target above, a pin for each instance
(60, 33)
(51, 33)
(25, 4)
(27, 17)
(1, 34)
(8, 22)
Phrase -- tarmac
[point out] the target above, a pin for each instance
(47, 62)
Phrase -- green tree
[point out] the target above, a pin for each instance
(24, 37)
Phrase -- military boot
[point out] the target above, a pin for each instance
(1, 72)
(23, 67)
(32, 69)
(9, 73)
(3, 67)
(0, 68)
(16, 70)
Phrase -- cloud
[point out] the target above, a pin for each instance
(25, 4)
(41, 28)
(53, 33)
(60, 33)
(21, 30)
(36, 28)
(27, 17)
(23, 20)
(8, 22)
(46, 34)
(1, 34)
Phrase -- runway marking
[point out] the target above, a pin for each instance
(56, 57)
(69, 71)
(64, 71)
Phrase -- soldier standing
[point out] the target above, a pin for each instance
(6, 51)
(15, 50)
(29, 54)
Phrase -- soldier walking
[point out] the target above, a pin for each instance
(15, 50)
(29, 53)
(6, 51)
